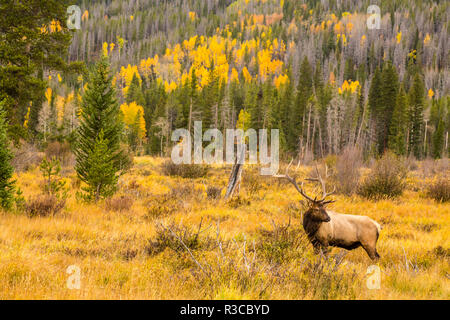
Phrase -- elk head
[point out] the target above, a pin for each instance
(316, 208)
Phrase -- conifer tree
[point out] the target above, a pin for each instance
(6, 170)
(304, 91)
(416, 107)
(100, 114)
(389, 89)
(438, 140)
(100, 176)
(398, 126)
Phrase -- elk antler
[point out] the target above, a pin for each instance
(324, 191)
(292, 180)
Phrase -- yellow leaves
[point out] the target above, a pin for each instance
(430, 93)
(399, 37)
(349, 86)
(169, 87)
(120, 41)
(146, 65)
(134, 114)
(189, 45)
(243, 121)
(413, 54)
(247, 75)
(55, 26)
(126, 76)
(267, 65)
(338, 27)
(349, 27)
(342, 37)
(280, 80)
(111, 47)
(234, 75)
(60, 103)
(105, 49)
(427, 39)
(59, 77)
(48, 95)
(363, 39)
(131, 18)
(192, 16)
(27, 116)
(85, 16)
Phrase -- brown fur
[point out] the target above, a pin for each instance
(327, 228)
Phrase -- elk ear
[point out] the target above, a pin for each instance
(328, 202)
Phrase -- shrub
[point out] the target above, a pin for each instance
(213, 192)
(190, 171)
(161, 206)
(177, 238)
(252, 182)
(347, 170)
(122, 203)
(44, 205)
(439, 190)
(280, 243)
(386, 180)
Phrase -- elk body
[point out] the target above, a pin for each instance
(327, 228)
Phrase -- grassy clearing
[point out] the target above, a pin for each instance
(252, 247)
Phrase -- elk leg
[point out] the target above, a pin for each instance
(371, 252)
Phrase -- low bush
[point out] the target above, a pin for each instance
(190, 171)
(122, 203)
(347, 173)
(439, 190)
(213, 192)
(386, 180)
(44, 205)
(179, 238)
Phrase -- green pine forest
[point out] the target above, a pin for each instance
(312, 69)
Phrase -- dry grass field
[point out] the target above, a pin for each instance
(165, 237)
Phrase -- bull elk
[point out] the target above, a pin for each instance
(327, 228)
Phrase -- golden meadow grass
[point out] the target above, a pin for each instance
(252, 247)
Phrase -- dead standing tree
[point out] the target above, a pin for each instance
(234, 181)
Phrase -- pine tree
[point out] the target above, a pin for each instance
(304, 91)
(100, 113)
(416, 107)
(438, 140)
(7, 185)
(397, 129)
(134, 93)
(389, 89)
(100, 176)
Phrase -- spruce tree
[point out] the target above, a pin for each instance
(397, 129)
(6, 170)
(101, 178)
(389, 90)
(438, 140)
(100, 114)
(304, 92)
